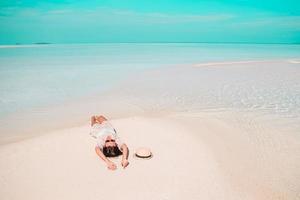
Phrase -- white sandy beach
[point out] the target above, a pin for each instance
(196, 156)
(218, 129)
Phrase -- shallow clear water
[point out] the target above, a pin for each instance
(46, 76)
(269, 90)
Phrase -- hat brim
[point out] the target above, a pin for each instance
(143, 157)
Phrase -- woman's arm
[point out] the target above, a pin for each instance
(110, 164)
(125, 151)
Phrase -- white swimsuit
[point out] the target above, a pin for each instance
(102, 131)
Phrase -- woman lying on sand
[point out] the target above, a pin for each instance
(108, 142)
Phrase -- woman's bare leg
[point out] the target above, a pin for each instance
(101, 118)
(93, 120)
(97, 119)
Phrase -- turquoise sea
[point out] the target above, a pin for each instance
(150, 76)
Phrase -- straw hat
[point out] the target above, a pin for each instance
(143, 152)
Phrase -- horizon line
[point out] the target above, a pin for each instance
(152, 42)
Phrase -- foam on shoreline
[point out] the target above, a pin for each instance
(230, 63)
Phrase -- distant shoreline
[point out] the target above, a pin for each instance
(4, 46)
(153, 42)
(22, 45)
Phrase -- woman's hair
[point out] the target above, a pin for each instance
(111, 151)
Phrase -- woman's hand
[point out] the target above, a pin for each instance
(124, 163)
(111, 165)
